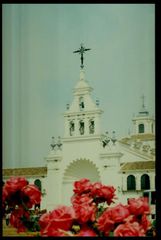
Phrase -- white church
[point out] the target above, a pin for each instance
(85, 151)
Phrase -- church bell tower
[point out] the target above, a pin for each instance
(82, 117)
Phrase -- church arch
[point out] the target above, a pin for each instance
(76, 170)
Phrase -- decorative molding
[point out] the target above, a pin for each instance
(37, 171)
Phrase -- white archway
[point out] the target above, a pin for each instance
(76, 170)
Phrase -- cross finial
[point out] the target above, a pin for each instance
(81, 51)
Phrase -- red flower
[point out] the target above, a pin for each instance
(138, 206)
(59, 219)
(85, 212)
(44, 220)
(52, 232)
(103, 193)
(111, 216)
(13, 185)
(145, 223)
(82, 186)
(31, 195)
(16, 219)
(86, 232)
(4, 194)
(129, 229)
(62, 217)
(104, 223)
(81, 199)
(119, 213)
(11, 190)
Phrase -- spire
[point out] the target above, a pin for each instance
(82, 85)
(82, 75)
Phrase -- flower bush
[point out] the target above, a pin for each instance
(93, 211)
(20, 197)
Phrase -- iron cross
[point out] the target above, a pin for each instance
(82, 51)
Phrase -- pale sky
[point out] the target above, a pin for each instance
(40, 70)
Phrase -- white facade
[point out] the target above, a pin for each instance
(84, 155)
(85, 152)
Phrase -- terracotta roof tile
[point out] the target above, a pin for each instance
(138, 165)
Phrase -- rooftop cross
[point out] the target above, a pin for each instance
(82, 51)
(143, 110)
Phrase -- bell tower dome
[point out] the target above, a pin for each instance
(143, 122)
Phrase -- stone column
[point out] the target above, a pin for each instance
(53, 191)
(66, 127)
(152, 181)
(97, 124)
(138, 181)
(77, 133)
(86, 126)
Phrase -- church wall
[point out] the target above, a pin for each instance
(83, 149)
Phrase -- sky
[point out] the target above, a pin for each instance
(40, 70)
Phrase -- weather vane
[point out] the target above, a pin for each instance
(81, 51)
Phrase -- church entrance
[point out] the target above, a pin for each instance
(75, 171)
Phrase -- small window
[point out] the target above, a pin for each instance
(91, 126)
(37, 182)
(81, 127)
(141, 128)
(131, 183)
(71, 128)
(81, 103)
(145, 182)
